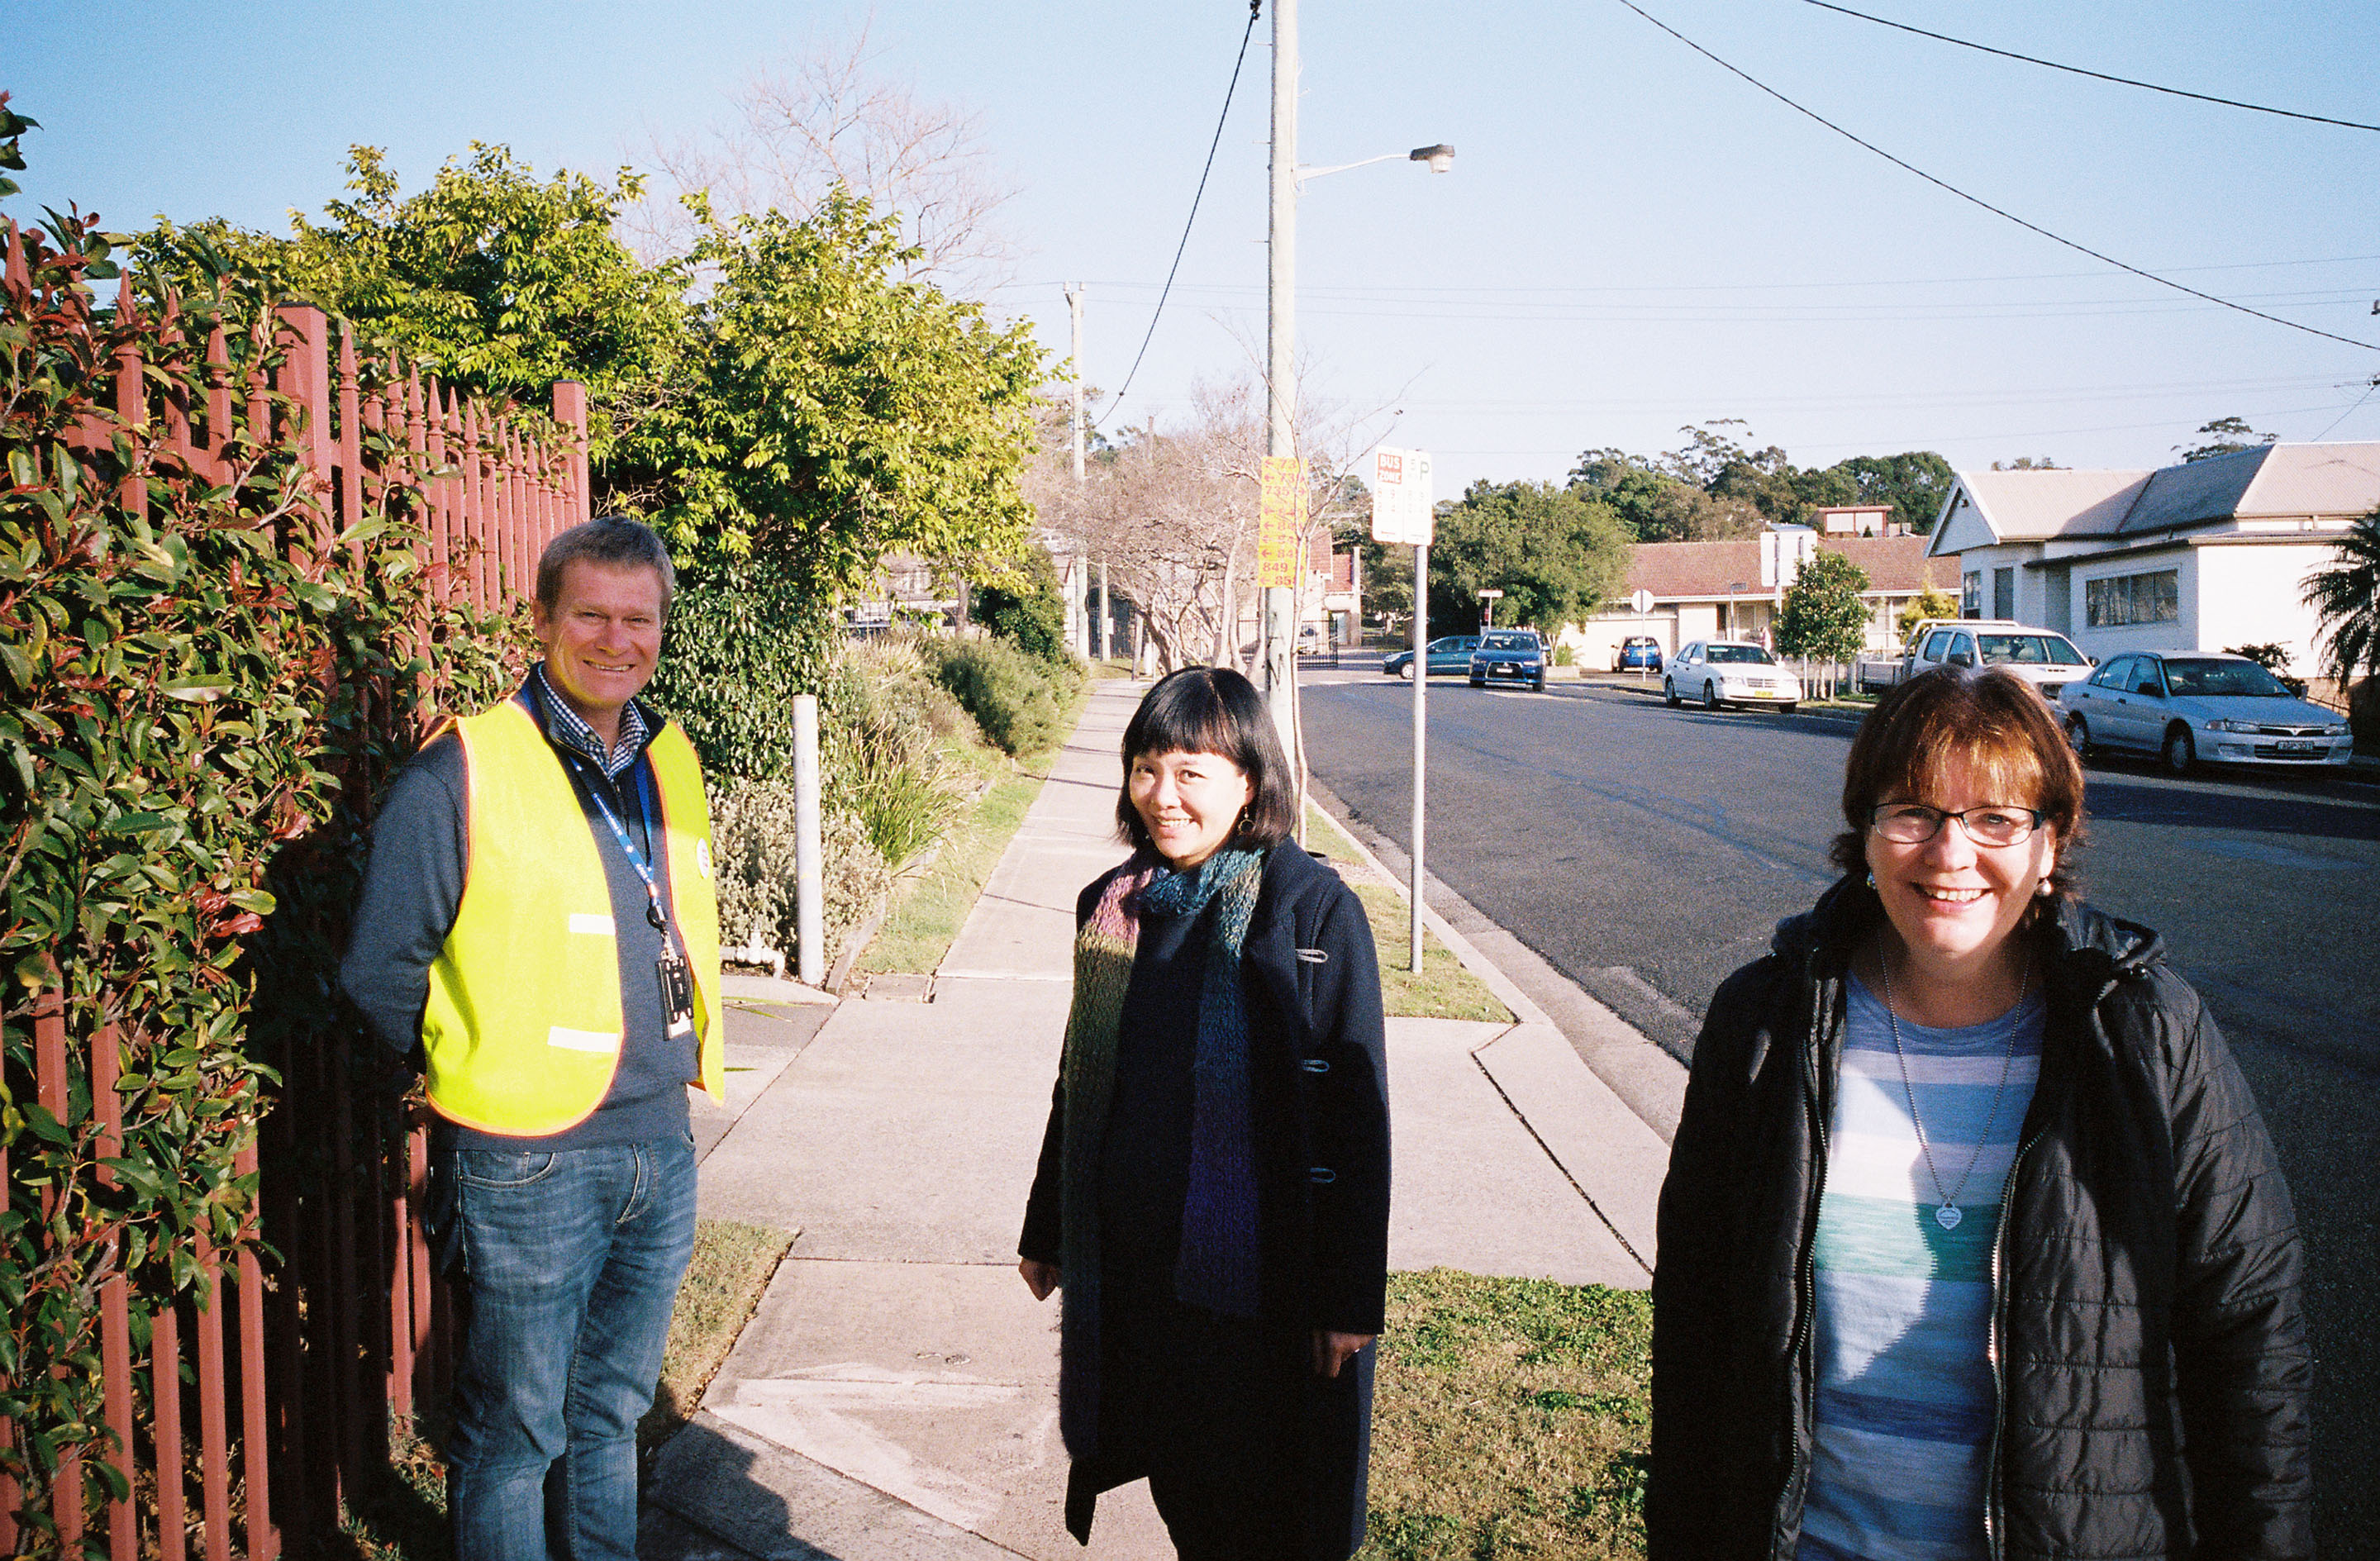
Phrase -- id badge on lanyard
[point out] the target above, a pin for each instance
(676, 980)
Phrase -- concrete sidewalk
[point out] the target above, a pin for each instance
(895, 1394)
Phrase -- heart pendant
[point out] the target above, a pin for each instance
(1948, 1217)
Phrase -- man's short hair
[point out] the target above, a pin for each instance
(612, 540)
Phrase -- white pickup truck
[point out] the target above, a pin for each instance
(2043, 657)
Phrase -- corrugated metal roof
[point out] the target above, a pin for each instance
(2027, 506)
(2334, 480)
(2196, 493)
(2311, 479)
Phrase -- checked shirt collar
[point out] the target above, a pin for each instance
(569, 729)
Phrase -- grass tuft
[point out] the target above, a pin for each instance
(1509, 1419)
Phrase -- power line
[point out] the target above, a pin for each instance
(1978, 201)
(2094, 75)
(2352, 410)
(1254, 7)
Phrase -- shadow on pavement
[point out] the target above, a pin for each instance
(2275, 807)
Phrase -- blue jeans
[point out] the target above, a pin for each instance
(572, 1263)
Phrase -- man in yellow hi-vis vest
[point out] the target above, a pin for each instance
(538, 933)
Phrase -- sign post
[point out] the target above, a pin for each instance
(1281, 521)
(1402, 498)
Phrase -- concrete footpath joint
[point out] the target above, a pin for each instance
(895, 1393)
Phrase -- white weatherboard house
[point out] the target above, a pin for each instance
(2196, 557)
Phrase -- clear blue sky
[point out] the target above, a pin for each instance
(1632, 240)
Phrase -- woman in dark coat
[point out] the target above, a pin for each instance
(1972, 1244)
(1213, 1190)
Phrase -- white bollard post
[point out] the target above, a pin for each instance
(809, 866)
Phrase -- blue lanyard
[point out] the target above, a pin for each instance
(636, 858)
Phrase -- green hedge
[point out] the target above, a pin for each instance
(1019, 700)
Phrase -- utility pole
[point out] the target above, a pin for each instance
(1281, 439)
(1075, 292)
(1074, 307)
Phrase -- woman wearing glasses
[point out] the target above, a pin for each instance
(1973, 1242)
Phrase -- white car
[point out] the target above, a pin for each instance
(2041, 657)
(2188, 707)
(1729, 672)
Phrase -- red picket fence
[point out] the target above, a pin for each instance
(298, 1363)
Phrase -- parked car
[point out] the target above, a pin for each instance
(2200, 707)
(1729, 672)
(1448, 656)
(1635, 651)
(2043, 657)
(1508, 656)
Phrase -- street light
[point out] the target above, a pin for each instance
(1280, 440)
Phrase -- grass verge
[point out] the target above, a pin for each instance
(929, 908)
(403, 1515)
(732, 1266)
(1443, 988)
(1510, 1418)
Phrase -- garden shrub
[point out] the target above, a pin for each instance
(890, 738)
(1030, 613)
(752, 848)
(1019, 700)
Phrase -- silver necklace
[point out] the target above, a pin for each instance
(1946, 1213)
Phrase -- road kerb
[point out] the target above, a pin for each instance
(1648, 1080)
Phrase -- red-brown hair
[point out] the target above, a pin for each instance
(1992, 721)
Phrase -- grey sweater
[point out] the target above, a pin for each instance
(414, 884)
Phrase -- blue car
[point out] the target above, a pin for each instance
(1638, 651)
(1508, 656)
(1450, 657)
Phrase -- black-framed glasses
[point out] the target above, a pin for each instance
(1913, 823)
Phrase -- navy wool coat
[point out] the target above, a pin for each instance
(1320, 1114)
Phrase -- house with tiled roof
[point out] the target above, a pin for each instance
(2201, 556)
(1733, 589)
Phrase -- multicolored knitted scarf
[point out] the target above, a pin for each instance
(1217, 1269)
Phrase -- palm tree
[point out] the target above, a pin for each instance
(2346, 596)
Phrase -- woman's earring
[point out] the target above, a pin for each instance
(1871, 880)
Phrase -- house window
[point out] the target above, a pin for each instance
(1971, 595)
(2004, 593)
(2123, 600)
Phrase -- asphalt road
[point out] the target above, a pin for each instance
(1647, 853)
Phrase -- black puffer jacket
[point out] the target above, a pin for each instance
(2147, 1337)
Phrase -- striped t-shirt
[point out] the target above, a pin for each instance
(1903, 1303)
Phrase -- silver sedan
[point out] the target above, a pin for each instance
(2193, 707)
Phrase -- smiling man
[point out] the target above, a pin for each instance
(539, 937)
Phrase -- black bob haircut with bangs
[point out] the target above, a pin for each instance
(1213, 710)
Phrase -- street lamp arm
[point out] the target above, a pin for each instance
(1310, 172)
(1439, 158)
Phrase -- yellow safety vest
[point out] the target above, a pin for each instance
(523, 1029)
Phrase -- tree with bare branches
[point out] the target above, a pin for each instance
(830, 117)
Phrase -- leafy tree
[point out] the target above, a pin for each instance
(1915, 484)
(2027, 464)
(1555, 554)
(1931, 602)
(1030, 613)
(2345, 597)
(1823, 615)
(831, 412)
(501, 282)
(2224, 436)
